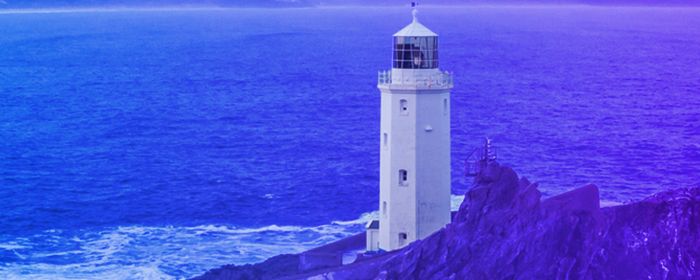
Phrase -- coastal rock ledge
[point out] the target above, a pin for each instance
(504, 231)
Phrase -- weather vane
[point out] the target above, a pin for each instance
(414, 5)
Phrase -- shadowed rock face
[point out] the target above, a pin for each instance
(503, 231)
(272, 268)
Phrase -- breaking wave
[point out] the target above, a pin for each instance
(143, 252)
(138, 252)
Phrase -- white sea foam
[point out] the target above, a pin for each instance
(137, 252)
(609, 203)
(141, 252)
(11, 246)
(456, 202)
(363, 219)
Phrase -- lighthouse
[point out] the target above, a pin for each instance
(414, 199)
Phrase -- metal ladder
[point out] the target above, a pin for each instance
(479, 158)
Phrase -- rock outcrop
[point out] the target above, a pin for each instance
(504, 231)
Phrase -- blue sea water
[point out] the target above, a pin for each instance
(159, 144)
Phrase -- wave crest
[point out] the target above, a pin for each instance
(168, 252)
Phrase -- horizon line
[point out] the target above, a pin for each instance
(165, 8)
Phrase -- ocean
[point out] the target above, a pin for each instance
(158, 144)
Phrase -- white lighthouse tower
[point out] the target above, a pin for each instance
(414, 141)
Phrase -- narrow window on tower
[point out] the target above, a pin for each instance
(403, 178)
(403, 107)
(384, 208)
(444, 107)
(385, 140)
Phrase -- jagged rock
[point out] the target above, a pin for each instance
(503, 231)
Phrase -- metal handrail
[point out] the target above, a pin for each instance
(479, 158)
(442, 79)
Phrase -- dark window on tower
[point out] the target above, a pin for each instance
(402, 238)
(403, 178)
(403, 107)
(445, 107)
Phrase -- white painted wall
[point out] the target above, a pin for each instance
(372, 239)
(423, 205)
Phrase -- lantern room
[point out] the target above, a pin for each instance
(415, 47)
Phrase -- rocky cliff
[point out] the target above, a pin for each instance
(504, 231)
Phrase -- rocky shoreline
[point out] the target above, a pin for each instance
(503, 230)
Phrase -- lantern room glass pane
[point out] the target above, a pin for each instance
(415, 53)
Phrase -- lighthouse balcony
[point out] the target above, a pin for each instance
(416, 79)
